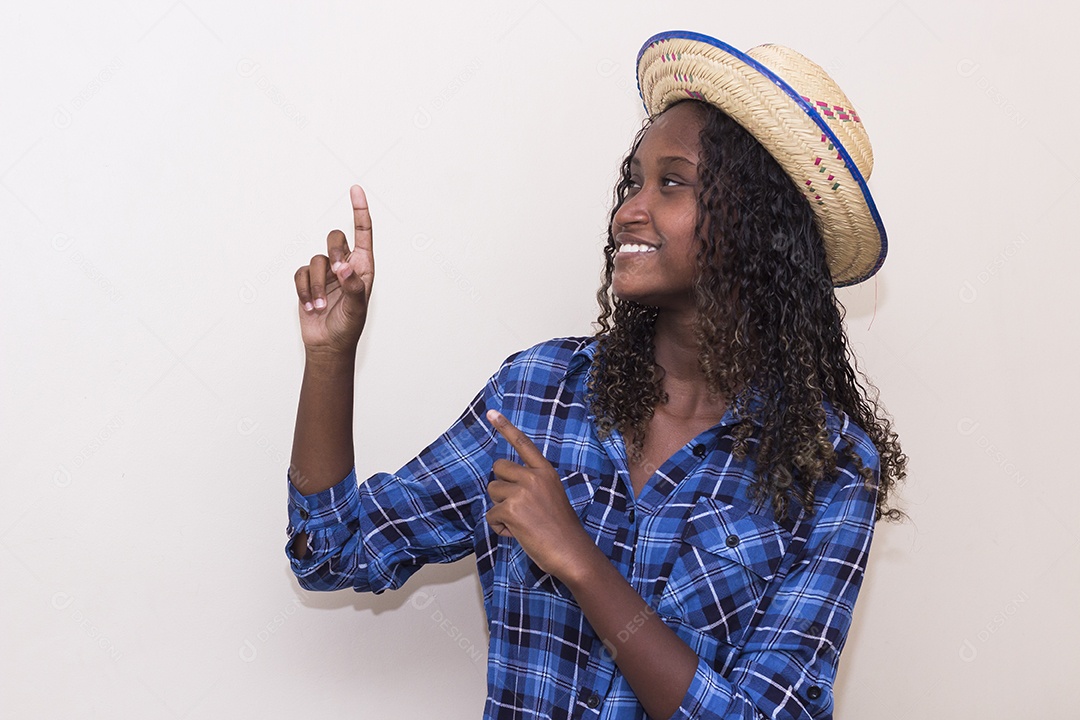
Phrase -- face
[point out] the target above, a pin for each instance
(653, 229)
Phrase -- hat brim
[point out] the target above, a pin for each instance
(859, 215)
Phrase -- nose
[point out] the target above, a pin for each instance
(634, 209)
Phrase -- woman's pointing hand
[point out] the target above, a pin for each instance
(529, 503)
(334, 289)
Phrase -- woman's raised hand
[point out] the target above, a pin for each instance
(334, 289)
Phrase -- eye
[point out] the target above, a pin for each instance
(671, 180)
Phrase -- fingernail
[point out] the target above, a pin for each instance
(308, 306)
(320, 303)
(346, 272)
(494, 416)
(335, 266)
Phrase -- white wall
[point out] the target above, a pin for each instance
(164, 169)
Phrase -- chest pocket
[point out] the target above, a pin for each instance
(724, 563)
(521, 569)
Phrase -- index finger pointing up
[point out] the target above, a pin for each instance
(518, 440)
(361, 219)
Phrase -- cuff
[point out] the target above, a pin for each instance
(711, 695)
(708, 696)
(332, 506)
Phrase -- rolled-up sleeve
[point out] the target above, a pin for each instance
(373, 536)
(788, 663)
(329, 519)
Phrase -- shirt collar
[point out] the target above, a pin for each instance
(582, 357)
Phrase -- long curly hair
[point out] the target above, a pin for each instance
(768, 318)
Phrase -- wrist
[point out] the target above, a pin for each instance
(330, 359)
(588, 563)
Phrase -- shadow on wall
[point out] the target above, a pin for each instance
(417, 590)
(420, 595)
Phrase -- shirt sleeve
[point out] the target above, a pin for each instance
(788, 664)
(375, 535)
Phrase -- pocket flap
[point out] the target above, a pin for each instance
(735, 533)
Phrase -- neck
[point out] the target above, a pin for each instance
(676, 351)
(676, 348)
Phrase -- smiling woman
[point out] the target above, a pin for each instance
(671, 517)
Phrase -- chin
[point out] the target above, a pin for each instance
(620, 291)
(629, 286)
(630, 296)
(663, 302)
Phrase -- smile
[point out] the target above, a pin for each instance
(636, 248)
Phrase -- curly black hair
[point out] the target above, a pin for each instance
(768, 317)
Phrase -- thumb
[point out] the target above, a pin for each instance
(350, 310)
(348, 275)
(353, 277)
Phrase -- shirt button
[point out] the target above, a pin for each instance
(630, 516)
(813, 692)
(593, 701)
(701, 451)
(303, 514)
(732, 540)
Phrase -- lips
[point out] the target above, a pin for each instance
(631, 244)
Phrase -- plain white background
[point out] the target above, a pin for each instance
(166, 166)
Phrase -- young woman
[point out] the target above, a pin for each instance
(673, 516)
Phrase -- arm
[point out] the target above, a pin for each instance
(374, 536)
(655, 661)
(322, 442)
(333, 293)
(788, 662)
(370, 537)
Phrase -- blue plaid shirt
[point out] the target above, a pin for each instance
(765, 604)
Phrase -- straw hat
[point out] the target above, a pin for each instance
(799, 114)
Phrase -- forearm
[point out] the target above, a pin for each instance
(656, 663)
(322, 451)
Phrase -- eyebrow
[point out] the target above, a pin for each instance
(635, 162)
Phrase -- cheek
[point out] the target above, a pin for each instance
(688, 240)
(686, 222)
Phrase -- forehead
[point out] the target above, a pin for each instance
(674, 134)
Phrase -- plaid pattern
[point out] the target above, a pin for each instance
(765, 604)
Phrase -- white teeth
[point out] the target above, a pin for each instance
(631, 248)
